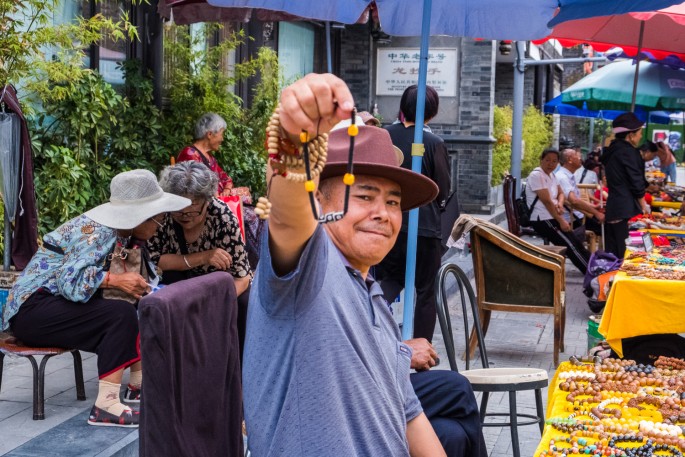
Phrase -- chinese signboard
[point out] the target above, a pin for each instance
(398, 68)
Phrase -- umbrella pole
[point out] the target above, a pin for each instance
(7, 257)
(637, 65)
(416, 161)
(329, 62)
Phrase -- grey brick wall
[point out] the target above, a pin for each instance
(469, 138)
(569, 126)
(504, 85)
(470, 142)
(355, 62)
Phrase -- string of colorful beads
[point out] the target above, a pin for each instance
(670, 363)
(577, 375)
(659, 429)
(284, 156)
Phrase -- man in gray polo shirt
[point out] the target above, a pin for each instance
(325, 373)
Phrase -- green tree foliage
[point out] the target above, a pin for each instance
(47, 59)
(84, 131)
(90, 135)
(537, 135)
(198, 84)
(501, 152)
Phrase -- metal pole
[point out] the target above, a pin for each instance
(416, 161)
(591, 135)
(329, 61)
(517, 118)
(637, 65)
(7, 257)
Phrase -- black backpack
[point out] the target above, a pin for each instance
(523, 212)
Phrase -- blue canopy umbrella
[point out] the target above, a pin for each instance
(557, 106)
(491, 19)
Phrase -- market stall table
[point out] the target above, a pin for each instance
(615, 407)
(639, 306)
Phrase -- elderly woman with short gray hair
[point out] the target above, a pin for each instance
(209, 134)
(204, 236)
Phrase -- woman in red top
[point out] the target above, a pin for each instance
(209, 134)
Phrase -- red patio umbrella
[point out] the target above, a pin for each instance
(663, 32)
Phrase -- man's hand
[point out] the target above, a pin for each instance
(599, 216)
(424, 356)
(564, 226)
(315, 103)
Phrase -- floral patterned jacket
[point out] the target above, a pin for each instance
(69, 264)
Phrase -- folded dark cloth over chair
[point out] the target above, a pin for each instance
(191, 403)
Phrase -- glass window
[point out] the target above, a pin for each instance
(295, 49)
(111, 52)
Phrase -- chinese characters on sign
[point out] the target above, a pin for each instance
(398, 68)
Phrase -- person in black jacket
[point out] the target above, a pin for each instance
(390, 272)
(625, 172)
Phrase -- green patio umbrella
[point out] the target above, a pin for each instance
(659, 88)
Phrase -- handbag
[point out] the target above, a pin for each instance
(123, 260)
(522, 210)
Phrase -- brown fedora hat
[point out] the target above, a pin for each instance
(374, 156)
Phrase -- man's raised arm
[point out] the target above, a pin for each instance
(314, 103)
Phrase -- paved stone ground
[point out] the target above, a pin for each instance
(513, 340)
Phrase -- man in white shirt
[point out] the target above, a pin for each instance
(570, 163)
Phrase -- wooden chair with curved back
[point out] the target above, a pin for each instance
(516, 276)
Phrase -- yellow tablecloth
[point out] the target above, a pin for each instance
(674, 205)
(642, 307)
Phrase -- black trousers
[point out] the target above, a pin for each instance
(109, 328)
(448, 402)
(391, 271)
(615, 235)
(575, 251)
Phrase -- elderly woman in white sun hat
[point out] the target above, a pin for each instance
(59, 299)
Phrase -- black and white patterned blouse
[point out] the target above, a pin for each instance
(221, 231)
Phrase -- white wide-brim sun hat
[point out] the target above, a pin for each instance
(135, 196)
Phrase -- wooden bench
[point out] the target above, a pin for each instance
(9, 345)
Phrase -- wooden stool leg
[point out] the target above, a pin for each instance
(557, 339)
(538, 407)
(78, 375)
(513, 424)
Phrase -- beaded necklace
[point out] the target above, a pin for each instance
(284, 156)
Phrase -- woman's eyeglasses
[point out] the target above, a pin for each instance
(188, 213)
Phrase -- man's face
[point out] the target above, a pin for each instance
(369, 229)
(635, 137)
(574, 161)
